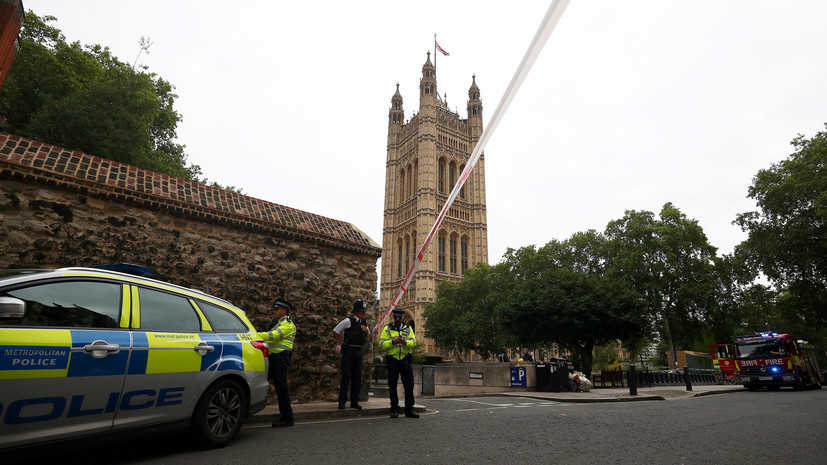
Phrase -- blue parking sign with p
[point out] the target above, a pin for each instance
(518, 377)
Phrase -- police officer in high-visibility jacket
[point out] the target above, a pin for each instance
(398, 340)
(280, 342)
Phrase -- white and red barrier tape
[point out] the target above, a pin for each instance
(552, 17)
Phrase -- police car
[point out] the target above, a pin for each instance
(85, 351)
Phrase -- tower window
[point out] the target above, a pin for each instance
(415, 177)
(453, 257)
(463, 254)
(407, 253)
(401, 185)
(441, 253)
(399, 260)
(462, 190)
(409, 183)
(413, 247)
(441, 175)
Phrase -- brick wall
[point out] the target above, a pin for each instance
(65, 208)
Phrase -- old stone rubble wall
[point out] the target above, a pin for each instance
(62, 208)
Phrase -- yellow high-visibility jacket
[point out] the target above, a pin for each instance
(281, 337)
(397, 351)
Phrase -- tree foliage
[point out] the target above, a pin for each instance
(556, 294)
(82, 98)
(788, 233)
(560, 294)
(669, 261)
(463, 318)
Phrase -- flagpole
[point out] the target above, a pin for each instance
(434, 54)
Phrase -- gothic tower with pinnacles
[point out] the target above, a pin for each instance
(426, 155)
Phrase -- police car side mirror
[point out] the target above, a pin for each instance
(11, 307)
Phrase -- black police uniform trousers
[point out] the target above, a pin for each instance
(351, 374)
(395, 369)
(279, 362)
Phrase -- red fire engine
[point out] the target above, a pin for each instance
(723, 358)
(769, 360)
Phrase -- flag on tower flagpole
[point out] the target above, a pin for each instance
(440, 48)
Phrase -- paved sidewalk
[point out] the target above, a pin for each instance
(319, 411)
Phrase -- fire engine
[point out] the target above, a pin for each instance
(769, 360)
(723, 358)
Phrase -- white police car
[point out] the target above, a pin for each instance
(85, 351)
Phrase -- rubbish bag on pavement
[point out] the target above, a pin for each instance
(582, 383)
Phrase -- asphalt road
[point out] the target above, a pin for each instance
(741, 427)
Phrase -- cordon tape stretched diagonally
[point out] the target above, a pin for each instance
(550, 20)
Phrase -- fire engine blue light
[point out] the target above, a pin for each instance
(774, 369)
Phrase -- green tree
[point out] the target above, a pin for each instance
(554, 299)
(728, 312)
(669, 261)
(788, 233)
(534, 298)
(83, 98)
(463, 317)
(606, 356)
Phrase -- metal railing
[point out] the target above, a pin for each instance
(650, 378)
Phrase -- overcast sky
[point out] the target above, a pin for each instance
(629, 106)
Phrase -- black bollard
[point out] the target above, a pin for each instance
(686, 378)
(632, 381)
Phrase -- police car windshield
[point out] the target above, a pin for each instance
(13, 273)
(759, 349)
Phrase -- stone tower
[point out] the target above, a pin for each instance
(425, 157)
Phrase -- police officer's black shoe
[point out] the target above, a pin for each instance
(341, 406)
(394, 414)
(280, 423)
(356, 406)
(411, 414)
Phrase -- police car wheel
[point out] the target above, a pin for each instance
(218, 415)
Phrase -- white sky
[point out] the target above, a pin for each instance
(630, 105)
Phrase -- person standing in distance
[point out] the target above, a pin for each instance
(280, 343)
(352, 333)
(398, 340)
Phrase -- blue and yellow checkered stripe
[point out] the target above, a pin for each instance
(60, 353)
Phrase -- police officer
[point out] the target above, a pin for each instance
(398, 340)
(280, 342)
(352, 333)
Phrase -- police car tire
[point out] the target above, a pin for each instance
(219, 414)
